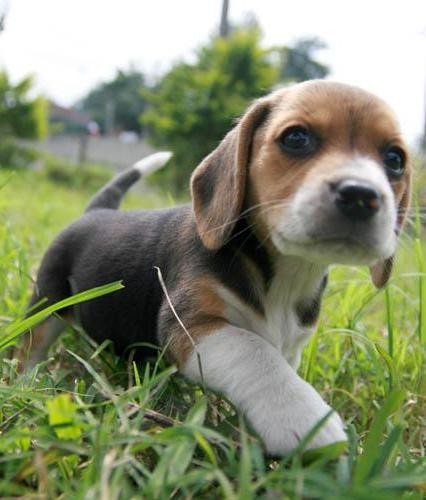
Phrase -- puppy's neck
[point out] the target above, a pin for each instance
(287, 289)
(295, 275)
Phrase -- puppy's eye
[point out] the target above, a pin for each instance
(297, 141)
(394, 160)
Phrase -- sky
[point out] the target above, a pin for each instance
(71, 45)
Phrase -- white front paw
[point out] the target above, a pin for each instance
(281, 407)
(289, 420)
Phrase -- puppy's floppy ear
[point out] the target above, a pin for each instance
(218, 184)
(381, 270)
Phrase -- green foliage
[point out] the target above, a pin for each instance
(139, 430)
(15, 155)
(21, 117)
(195, 105)
(117, 103)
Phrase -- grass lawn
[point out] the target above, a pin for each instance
(89, 425)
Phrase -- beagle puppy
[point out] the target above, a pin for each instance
(312, 175)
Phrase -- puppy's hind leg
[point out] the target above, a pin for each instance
(34, 346)
(52, 285)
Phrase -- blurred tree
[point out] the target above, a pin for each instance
(298, 62)
(21, 117)
(117, 104)
(194, 105)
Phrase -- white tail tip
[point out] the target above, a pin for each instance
(152, 162)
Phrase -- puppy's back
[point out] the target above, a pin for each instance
(104, 246)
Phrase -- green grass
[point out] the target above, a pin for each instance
(89, 425)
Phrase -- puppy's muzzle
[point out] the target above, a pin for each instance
(356, 201)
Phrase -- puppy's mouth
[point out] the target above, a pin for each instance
(344, 248)
(342, 241)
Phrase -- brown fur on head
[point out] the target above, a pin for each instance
(250, 169)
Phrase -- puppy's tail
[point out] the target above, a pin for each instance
(111, 194)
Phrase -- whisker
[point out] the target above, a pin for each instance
(243, 213)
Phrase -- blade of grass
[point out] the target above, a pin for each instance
(177, 456)
(368, 459)
(389, 321)
(393, 374)
(17, 328)
(422, 290)
(245, 469)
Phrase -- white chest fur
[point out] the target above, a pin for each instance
(295, 280)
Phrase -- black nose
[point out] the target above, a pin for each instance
(356, 201)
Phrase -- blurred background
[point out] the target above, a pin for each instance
(89, 86)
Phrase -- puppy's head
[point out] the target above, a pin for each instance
(321, 171)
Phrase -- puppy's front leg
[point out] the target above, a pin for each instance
(253, 375)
